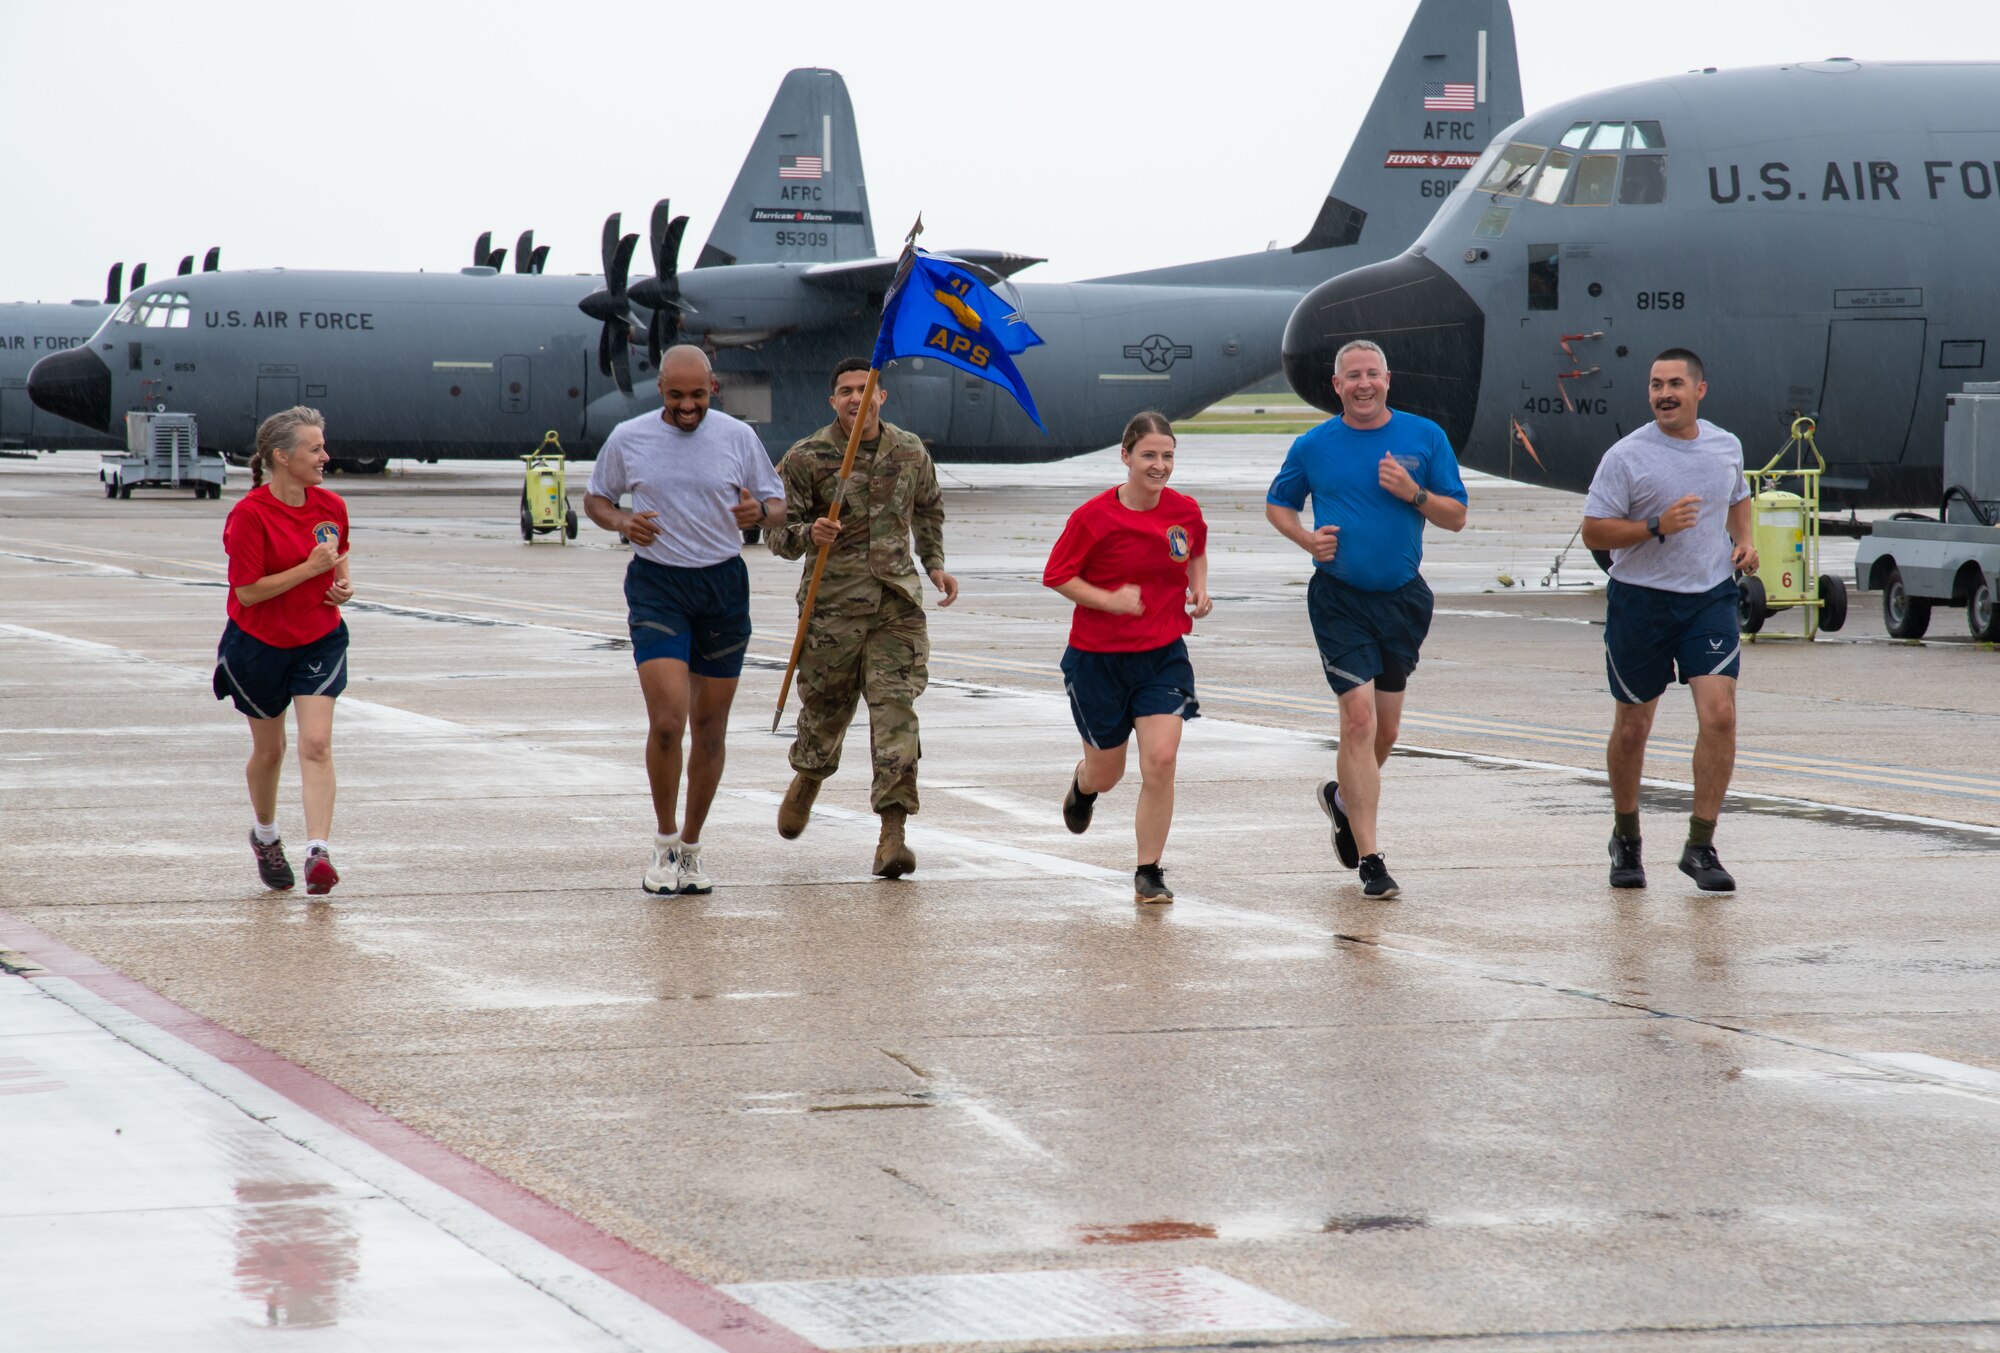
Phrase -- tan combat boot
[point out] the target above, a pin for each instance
(893, 858)
(795, 809)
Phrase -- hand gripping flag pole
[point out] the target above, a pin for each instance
(936, 307)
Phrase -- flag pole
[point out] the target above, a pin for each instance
(840, 498)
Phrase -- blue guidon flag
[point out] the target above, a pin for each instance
(939, 309)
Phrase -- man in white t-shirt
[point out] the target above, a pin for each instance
(1671, 504)
(698, 479)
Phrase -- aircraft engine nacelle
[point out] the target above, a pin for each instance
(750, 303)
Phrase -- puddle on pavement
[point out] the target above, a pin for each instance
(1145, 1233)
(1354, 1225)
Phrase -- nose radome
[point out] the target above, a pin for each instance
(75, 385)
(1432, 333)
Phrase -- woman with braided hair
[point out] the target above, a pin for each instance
(285, 643)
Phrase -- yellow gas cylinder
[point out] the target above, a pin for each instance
(1778, 529)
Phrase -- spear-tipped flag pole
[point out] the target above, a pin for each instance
(937, 308)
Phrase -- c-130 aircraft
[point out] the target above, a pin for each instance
(478, 364)
(1821, 233)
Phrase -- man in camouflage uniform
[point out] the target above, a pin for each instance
(867, 637)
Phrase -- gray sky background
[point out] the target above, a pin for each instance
(1104, 137)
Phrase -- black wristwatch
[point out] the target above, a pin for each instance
(1422, 494)
(1653, 526)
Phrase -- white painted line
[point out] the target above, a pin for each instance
(962, 1308)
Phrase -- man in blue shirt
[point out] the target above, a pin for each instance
(1375, 477)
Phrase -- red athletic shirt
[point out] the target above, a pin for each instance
(263, 536)
(1108, 545)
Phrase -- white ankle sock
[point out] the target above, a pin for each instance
(316, 844)
(667, 842)
(267, 832)
(1339, 801)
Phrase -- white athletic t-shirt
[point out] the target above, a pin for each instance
(690, 479)
(1645, 473)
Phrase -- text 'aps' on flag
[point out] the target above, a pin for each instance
(1447, 97)
(939, 309)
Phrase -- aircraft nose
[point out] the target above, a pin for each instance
(1432, 332)
(75, 385)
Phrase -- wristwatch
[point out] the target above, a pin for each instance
(1422, 493)
(1653, 525)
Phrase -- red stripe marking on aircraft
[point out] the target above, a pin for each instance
(681, 1296)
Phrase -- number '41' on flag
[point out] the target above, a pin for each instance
(940, 309)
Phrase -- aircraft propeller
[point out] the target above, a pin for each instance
(187, 266)
(138, 278)
(482, 250)
(498, 257)
(112, 282)
(611, 306)
(527, 259)
(212, 260)
(661, 293)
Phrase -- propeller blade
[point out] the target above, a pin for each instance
(138, 278)
(496, 258)
(113, 281)
(620, 266)
(524, 249)
(608, 246)
(672, 267)
(621, 360)
(187, 266)
(604, 349)
(212, 260)
(481, 248)
(662, 223)
(541, 257)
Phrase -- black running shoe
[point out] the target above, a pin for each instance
(1627, 870)
(1077, 808)
(1343, 835)
(272, 866)
(1149, 884)
(1700, 864)
(1375, 880)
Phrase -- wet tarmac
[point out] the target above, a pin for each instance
(995, 1102)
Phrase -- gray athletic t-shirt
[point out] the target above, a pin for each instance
(690, 479)
(1645, 473)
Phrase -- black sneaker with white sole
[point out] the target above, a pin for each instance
(1627, 870)
(1700, 864)
(1077, 808)
(1375, 880)
(1343, 835)
(1149, 884)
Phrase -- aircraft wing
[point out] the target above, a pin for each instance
(875, 274)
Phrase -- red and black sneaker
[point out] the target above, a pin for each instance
(272, 866)
(320, 873)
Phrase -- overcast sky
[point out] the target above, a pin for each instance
(1104, 137)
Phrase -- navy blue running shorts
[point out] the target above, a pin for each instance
(262, 679)
(700, 616)
(1368, 636)
(1108, 691)
(1648, 633)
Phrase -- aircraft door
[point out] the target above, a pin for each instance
(1865, 358)
(972, 410)
(275, 394)
(514, 384)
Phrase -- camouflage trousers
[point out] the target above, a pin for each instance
(881, 655)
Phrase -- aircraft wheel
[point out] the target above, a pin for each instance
(1904, 616)
(569, 523)
(370, 465)
(1832, 603)
(1751, 612)
(1982, 617)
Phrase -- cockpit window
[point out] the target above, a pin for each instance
(1647, 136)
(1576, 135)
(124, 315)
(1645, 179)
(1511, 170)
(1591, 184)
(165, 310)
(1548, 184)
(1608, 136)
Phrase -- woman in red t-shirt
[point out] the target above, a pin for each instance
(285, 643)
(1134, 559)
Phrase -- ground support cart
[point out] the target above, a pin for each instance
(545, 493)
(1784, 525)
(163, 451)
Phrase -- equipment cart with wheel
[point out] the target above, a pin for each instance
(163, 451)
(1785, 528)
(545, 493)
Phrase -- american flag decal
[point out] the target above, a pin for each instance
(809, 166)
(1448, 98)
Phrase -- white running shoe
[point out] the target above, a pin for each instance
(691, 879)
(663, 874)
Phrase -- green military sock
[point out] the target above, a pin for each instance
(1701, 831)
(1627, 825)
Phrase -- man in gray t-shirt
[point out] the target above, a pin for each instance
(1671, 504)
(698, 480)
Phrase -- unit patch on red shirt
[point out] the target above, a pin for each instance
(263, 536)
(1108, 545)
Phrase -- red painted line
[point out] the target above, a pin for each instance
(681, 1296)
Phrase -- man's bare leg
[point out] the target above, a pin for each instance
(1358, 766)
(664, 683)
(709, 717)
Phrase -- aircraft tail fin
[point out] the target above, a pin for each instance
(800, 197)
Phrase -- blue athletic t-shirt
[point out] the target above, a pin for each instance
(1381, 536)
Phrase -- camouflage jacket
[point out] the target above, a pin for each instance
(893, 493)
